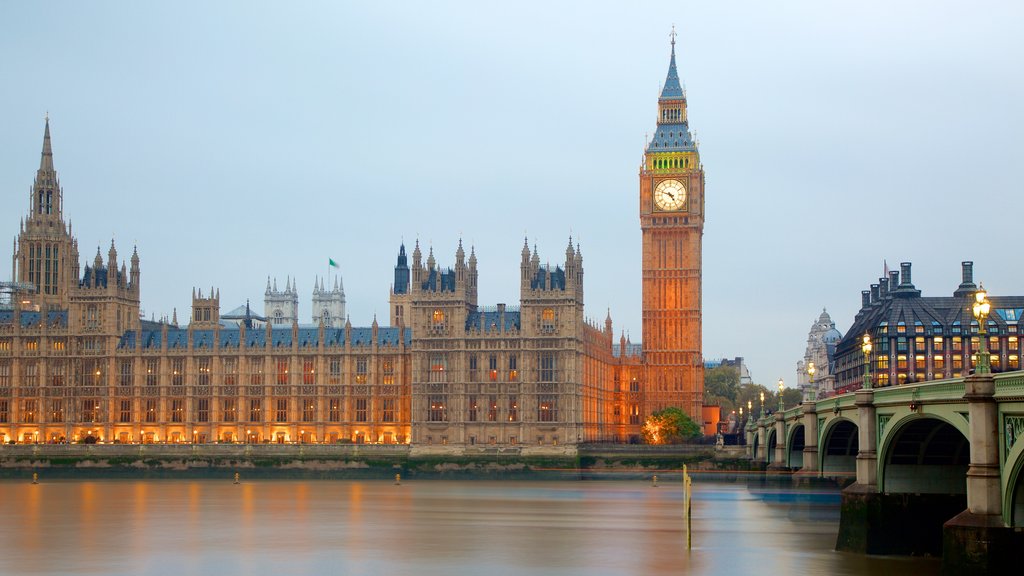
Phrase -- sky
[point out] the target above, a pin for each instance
(233, 141)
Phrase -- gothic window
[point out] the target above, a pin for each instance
(513, 409)
(255, 407)
(492, 409)
(202, 409)
(256, 371)
(436, 408)
(471, 416)
(361, 411)
(177, 410)
(388, 368)
(438, 367)
(281, 414)
(282, 372)
(57, 411)
(547, 367)
(229, 411)
(308, 372)
(547, 320)
(547, 409)
(308, 410)
(361, 370)
(513, 370)
(387, 410)
(335, 371)
(28, 411)
(492, 367)
(334, 409)
(177, 371)
(203, 372)
(126, 373)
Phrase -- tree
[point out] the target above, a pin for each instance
(722, 382)
(669, 426)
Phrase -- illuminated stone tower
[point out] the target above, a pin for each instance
(672, 223)
(45, 253)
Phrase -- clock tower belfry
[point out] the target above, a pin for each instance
(672, 224)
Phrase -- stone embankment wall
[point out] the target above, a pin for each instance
(351, 461)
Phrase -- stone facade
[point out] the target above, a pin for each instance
(821, 347)
(448, 375)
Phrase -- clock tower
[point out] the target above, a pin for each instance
(672, 224)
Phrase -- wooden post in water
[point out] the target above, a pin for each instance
(687, 497)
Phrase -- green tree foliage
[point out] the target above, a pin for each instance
(669, 426)
(791, 397)
(722, 382)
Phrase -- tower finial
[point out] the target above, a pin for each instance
(46, 162)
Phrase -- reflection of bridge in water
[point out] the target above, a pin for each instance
(937, 467)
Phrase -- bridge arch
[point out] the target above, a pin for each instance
(756, 444)
(1013, 486)
(770, 446)
(838, 448)
(923, 454)
(795, 447)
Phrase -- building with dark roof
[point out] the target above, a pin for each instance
(448, 374)
(917, 338)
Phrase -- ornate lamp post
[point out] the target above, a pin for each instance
(812, 393)
(782, 386)
(981, 309)
(762, 403)
(865, 347)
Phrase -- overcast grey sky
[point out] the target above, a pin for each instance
(232, 141)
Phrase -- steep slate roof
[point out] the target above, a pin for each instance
(29, 319)
(280, 338)
(487, 321)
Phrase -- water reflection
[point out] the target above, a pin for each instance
(422, 527)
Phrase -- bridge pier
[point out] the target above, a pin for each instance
(977, 540)
(861, 513)
(749, 434)
(810, 421)
(762, 439)
(779, 462)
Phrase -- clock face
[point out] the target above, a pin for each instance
(670, 195)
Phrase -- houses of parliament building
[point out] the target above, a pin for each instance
(78, 364)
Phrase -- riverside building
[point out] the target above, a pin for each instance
(78, 364)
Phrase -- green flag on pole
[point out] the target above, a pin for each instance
(332, 263)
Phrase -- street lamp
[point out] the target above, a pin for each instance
(762, 403)
(812, 393)
(865, 347)
(782, 386)
(981, 309)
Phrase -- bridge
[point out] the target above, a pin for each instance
(936, 467)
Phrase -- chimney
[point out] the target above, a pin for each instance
(874, 293)
(905, 274)
(967, 286)
(883, 288)
(894, 280)
(865, 298)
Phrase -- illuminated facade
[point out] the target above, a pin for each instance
(919, 338)
(672, 221)
(448, 375)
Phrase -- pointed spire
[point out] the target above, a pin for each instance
(672, 90)
(46, 162)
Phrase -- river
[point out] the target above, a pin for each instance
(421, 527)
